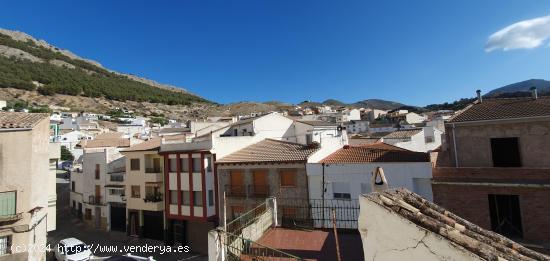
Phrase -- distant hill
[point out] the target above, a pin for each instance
(333, 102)
(515, 89)
(378, 104)
(34, 65)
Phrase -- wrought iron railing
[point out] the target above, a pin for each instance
(117, 178)
(236, 226)
(153, 170)
(317, 213)
(153, 197)
(94, 200)
(235, 190)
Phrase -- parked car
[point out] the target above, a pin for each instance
(72, 249)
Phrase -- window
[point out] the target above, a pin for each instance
(309, 138)
(429, 139)
(135, 192)
(5, 245)
(506, 215)
(184, 161)
(173, 197)
(197, 198)
(74, 204)
(209, 163)
(134, 164)
(185, 198)
(341, 190)
(72, 186)
(173, 165)
(505, 152)
(197, 165)
(235, 132)
(8, 203)
(96, 171)
(88, 214)
(210, 198)
(288, 178)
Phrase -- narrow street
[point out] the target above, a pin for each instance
(103, 243)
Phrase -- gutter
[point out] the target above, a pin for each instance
(454, 147)
(14, 129)
(499, 120)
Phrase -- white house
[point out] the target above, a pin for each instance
(400, 225)
(420, 139)
(357, 126)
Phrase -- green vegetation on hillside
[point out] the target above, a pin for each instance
(455, 106)
(85, 80)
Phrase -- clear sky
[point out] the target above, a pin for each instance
(416, 52)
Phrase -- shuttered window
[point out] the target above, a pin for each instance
(288, 178)
(7, 203)
(5, 245)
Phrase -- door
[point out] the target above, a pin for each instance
(133, 224)
(237, 183)
(97, 194)
(97, 217)
(156, 164)
(179, 232)
(118, 218)
(153, 225)
(80, 211)
(260, 183)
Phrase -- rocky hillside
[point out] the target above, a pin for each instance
(34, 65)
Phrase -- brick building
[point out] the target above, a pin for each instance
(495, 167)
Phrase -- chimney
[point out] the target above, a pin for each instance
(479, 98)
(534, 93)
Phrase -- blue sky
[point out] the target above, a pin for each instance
(416, 52)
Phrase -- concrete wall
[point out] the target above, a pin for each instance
(24, 168)
(473, 142)
(140, 177)
(408, 174)
(388, 236)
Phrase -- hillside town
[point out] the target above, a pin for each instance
(314, 182)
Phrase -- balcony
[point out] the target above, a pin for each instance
(258, 191)
(153, 170)
(116, 178)
(11, 217)
(248, 191)
(155, 197)
(94, 200)
(117, 170)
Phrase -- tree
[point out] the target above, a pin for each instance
(66, 154)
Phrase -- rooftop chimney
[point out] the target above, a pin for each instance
(534, 93)
(479, 98)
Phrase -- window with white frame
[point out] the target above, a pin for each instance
(5, 245)
(341, 190)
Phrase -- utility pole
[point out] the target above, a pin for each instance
(336, 235)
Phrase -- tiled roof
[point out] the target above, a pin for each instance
(19, 120)
(152, 144)
(318, 123)
(402, 134)
(494, 109)
(378, 152)
(270, 151)
(486, 244)
(102, 143)
(109, 135)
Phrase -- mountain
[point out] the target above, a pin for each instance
(378, 104)
(333, 102)
(515, 89)
(34, 65)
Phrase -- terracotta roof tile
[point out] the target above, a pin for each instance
(486, 244)
(402, 134)
(494, 109)
(109, 135)
(378, 152)
(152, 144)
(101, 143)
(16, 120)
(270, 150)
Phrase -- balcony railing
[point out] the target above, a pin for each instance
(117, 178)
(152, 170)
(155, 197)
(118, 170)
(94, 200)
(247, 191)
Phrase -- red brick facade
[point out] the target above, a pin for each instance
(465, 191)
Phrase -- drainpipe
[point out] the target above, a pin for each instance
(454, 147)
(323, 196)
